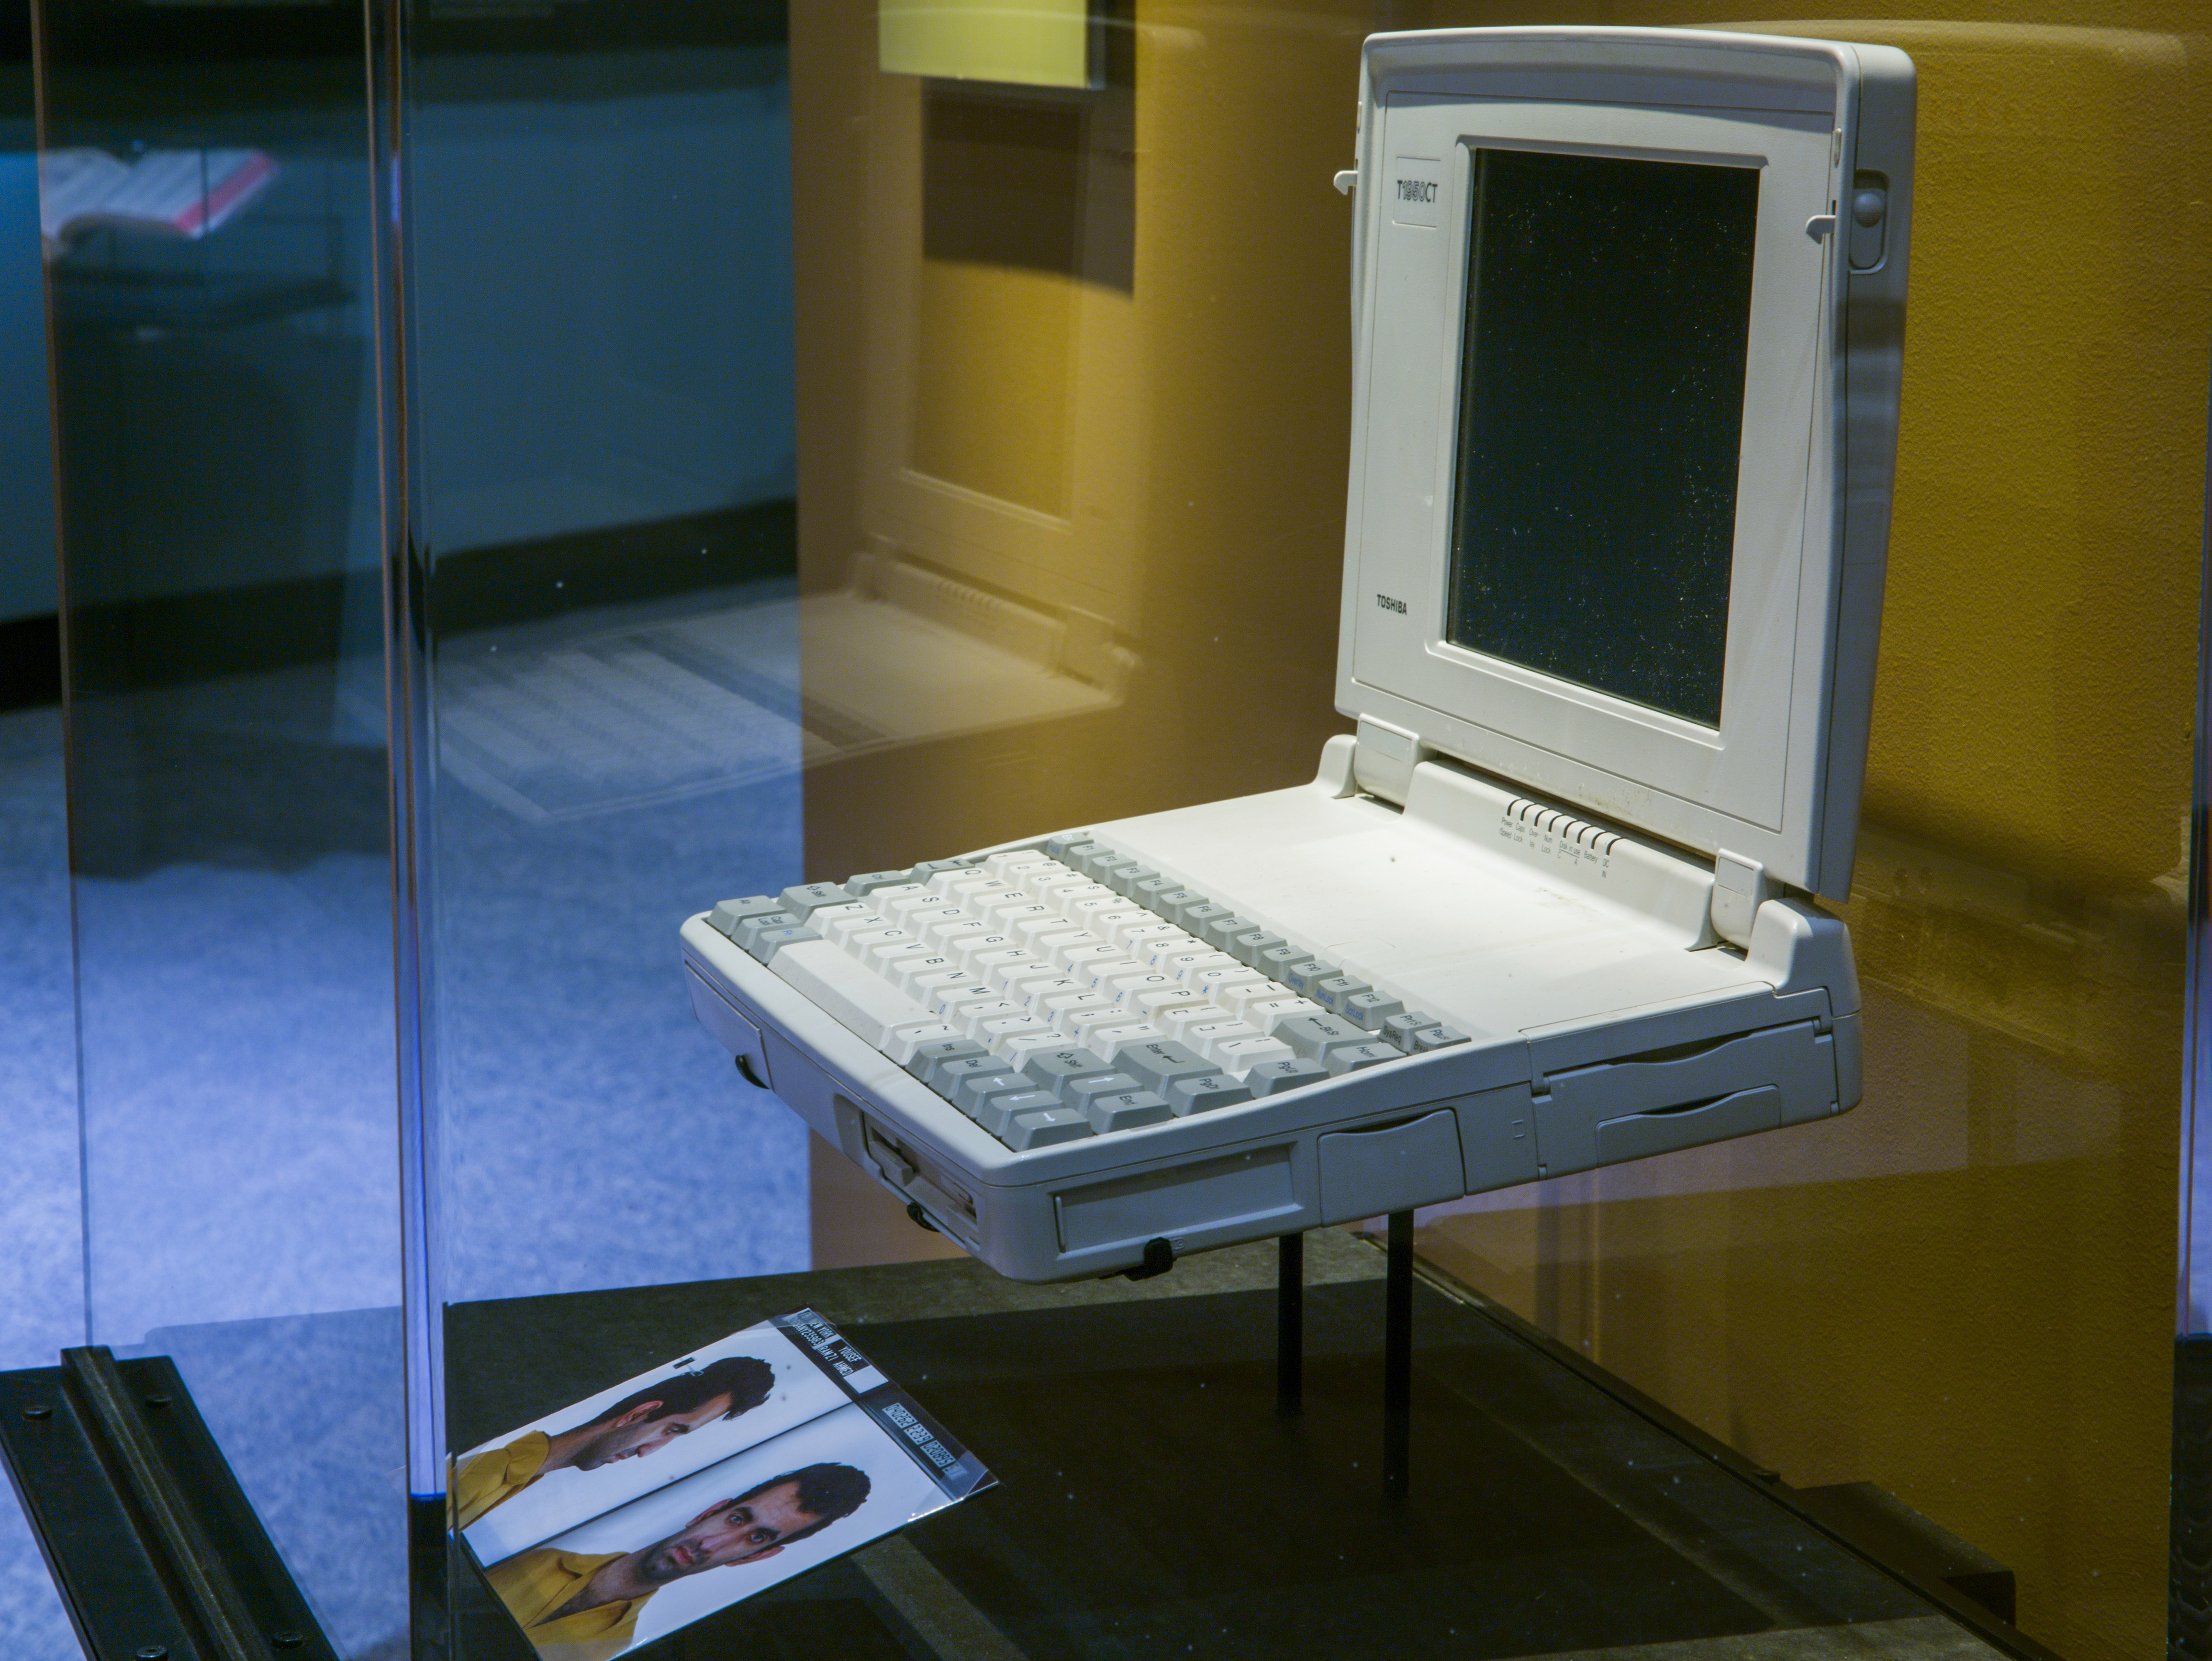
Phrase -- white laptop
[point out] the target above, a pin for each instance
(1629, 306)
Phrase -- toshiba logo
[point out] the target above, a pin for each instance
(1388, 604)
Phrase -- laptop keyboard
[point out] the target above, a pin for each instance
(1066, 991)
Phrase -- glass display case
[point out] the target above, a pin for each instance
(541, 470)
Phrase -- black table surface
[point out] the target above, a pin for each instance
(1151, 1502)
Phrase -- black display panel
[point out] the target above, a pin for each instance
(1608, 313)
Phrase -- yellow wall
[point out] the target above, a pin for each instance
(1961, 1292)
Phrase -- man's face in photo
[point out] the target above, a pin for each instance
(636, 1432)
(735, 1531)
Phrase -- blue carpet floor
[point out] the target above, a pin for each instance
(239, 1135)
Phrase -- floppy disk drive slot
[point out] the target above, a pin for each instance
(1625, 1110)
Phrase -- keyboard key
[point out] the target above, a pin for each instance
(1159, 1062)
(1016, 1052)
(1177, 1022)
(898, 890)
(965, 949)
(1305, 976)
(869, 881)
(1020, 980)
(1272, 1078)
(1317, 1035)
(906, 1042)
(1371, 1009)
(970, 1091)
(1275, 962)
(998, 1114)
(1242, 1055)
(953, 1002)
(1195, 918)
(1127, 875)
(766, 946)
(996, 965)
(949, 1076)
(924, 914)
(1053, 1068)
(967, 885)
(1437, 1038)
(1147, 891)
(1158, 1006)
(1083, 1022)
(1208, 1037)
(995, 1034)
(857, 999)
(1172, 903)
(1127, 984)
(1110, 1040)
(933, 1052)
(1333, 993)
(857, 941)
(1079, 1093)
(1128, 1110)
(1060, 846)
(753, 926)
(1350, 1057)
(1184, 964)
(1268, 1014)
(1238, 997)
(835, 923)
(1221, 933)
(1247, 947)
(1076, 958)
(804, 898)
(1059, 987)
(1100, 974)
(972, 1017)
(726, 917)
(1218, 981)
(928, 868)
(1141, 940)
(903, 973)
(1204, 1093)
(927, 984)
(888, 961)
(1399, 1029)
(1015, 859)
(1045, 1130)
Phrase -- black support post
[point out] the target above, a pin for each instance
(1397, 1355)
(1290, 1324)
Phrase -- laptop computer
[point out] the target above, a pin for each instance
(1628, 314)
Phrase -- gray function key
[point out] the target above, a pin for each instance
(866, 884)
(1147, 892)
(1221, 933)
(997, 1115)
(1079, 1093)
(1124, 878)
(1128, 1109)
(1173, 902)
(1249, 946)
(1304, 977)
(1058, 846)
(1437, 1038)
(1206, 1093)
(1336, 991)
(808, 898)
(1371, 1010)
(1044, 1128)
(1350, 1057)
(751, 930)
(1399, 1029)
(766, 945)
(730, 915)
(1196, 917)
(949, 1076)
(1159, 1062)
(1275, 962)
(972, 1093)
(1314, 1036)
(1272, 1077)
(928, 1057)
(1055, 1069)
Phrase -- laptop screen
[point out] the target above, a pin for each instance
(1608, 313)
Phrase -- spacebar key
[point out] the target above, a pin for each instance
(858, 997)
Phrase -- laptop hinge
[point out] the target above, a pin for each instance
(1739, 888)
(1384, 762)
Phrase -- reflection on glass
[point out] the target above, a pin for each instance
(208, 268)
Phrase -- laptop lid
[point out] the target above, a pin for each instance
(1628, 310)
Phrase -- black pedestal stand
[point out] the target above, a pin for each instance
(1397, 1342)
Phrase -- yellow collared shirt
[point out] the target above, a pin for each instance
(534, 1584)
(493, 1479)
